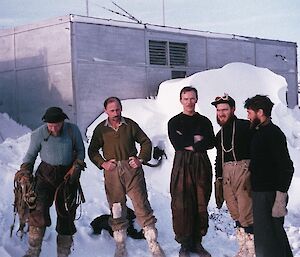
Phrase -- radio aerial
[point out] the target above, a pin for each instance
(124, 13)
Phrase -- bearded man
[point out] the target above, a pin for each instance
(232, 173)
(271, 174)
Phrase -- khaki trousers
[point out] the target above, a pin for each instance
(237, 191)
(122, 181)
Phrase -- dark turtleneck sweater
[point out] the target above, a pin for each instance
(182, 128)
(270, 166)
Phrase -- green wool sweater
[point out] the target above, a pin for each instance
(119, 145)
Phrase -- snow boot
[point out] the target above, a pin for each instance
(184, 251)
(64, 244)
(120, 238)
(241, 239)
(35, 239)
(150, 233)
(249, 245)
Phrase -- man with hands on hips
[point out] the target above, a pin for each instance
(116, 137)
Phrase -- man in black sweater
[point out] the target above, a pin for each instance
(271, 173)
(191, 135)
(232, 171)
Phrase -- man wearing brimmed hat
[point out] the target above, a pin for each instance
(191, 135)
(232, 173)
(55, 142)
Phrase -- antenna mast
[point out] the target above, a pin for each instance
(124, 14)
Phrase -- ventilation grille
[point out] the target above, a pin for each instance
(158, 52)
(178, 52)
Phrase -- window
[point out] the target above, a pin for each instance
(167, 53)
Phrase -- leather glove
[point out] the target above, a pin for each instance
(219, 192)
(73, 174)
(279, 207)
(24, 175)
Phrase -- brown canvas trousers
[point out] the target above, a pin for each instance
(237, 191)
(191, 185)
(122, 181)
(48, 178)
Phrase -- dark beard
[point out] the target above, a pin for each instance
(254, 123)
(226, 122)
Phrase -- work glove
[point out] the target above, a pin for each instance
(219, 192)
(73, 174)
(279, 207)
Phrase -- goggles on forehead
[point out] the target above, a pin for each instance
(225, 97)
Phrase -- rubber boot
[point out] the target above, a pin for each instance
(150, 233)
(120, 238)
(35, 239)
(64, 244)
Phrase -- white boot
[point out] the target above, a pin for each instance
(150, 233)
(249, 244)
(120, 238)
(241, 239)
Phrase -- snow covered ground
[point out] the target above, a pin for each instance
(240, 81)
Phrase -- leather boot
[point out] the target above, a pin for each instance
(150, 233)
(64, 244)
(120, 238)
(184, 251)
(35, 239)
(201, 251)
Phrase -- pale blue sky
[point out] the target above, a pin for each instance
(273, 19)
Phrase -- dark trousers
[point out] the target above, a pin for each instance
(191, 185)
(48, 178)
(270, 238)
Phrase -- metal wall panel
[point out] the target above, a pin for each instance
(224, 51)
(7, 53)
(51, 44)
(41, 88)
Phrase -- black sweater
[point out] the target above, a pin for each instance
(182, 128)
(242, 140)
(271, 167)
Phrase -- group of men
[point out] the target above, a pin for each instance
(253, 168)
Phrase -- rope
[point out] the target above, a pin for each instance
(232, 143)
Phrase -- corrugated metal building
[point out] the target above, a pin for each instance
(76, 62)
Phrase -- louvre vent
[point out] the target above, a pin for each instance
(178, 53)
(158, 52)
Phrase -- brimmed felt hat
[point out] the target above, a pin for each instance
(225, 99)
(54, 115)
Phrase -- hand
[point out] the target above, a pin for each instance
(189, 148)
(73, 175)
(23, 176)
(134, 162)
(279, 206)
(219, 192)
(197, 138)
(109, 165)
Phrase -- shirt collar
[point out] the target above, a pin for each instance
(122, 121)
